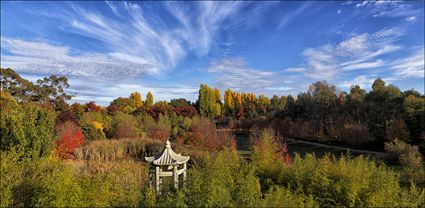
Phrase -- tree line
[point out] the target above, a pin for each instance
(323, 113)
(57, 154)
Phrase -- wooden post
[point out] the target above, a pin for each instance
(157, 179)
(175, 177)
(184, 173)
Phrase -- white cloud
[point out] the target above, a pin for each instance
(291, 15)
(363, 81)
(198, 27)
(388, 8)
(297, 69)
(411, 19)
(364, 65)
(145, 44)
(279, 88)
(234, 73)
(362, 4)
(45, 58)
(411, 66)
(339, 11)
(358, 52)
(103, 92)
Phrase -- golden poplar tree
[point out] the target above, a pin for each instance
(217, 104)
(149, 100)
(137, 99)
(229, 104)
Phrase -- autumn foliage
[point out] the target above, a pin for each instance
(70, 138)
(204, 135)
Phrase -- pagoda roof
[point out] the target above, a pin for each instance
(168, 157)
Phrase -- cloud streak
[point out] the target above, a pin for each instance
(146, 44)
(355, 53)
(235, 73)
(45, 58)
(411, 66)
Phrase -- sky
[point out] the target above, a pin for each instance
(110, 49)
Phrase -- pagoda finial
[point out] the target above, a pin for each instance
(167, 144)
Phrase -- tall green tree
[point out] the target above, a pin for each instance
(149, 100)
(383, 104)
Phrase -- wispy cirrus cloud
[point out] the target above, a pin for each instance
(383, 8)
(411, 66)
(358, 52)
(199, 32)
(147, 43)
(45, 58)
(364, 81)
(235, 73)
(296, 69)
(287, 18)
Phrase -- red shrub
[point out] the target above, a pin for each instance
(113, 109)
(67, 115)
(186, 111)
(70, 138)
(159, 108)
(78, 109)
(159, 132)
(92, 107)
(204, 135)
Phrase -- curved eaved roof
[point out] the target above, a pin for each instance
(168, 157)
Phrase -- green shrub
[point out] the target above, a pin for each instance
(27, 127)
(396, 148)
(57, 185)
(410, 159)
(125, 126)
(282, 197)
(11, 176)
(93, 125)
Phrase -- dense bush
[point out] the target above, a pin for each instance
(49, 182)
(27, 127)
(93, 125)
(355, 134)
(11, 176)
(410, 159)
(333, 182)
(125, 126)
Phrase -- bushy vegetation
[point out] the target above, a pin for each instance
(84, 155)
(26, 127)
(409, 158)
(49, 182)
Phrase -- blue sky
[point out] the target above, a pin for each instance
(110, 49)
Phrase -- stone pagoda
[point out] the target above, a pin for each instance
(167, 164)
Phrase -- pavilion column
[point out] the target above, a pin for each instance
(184, 172)
(175, 177)
(157, 179)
